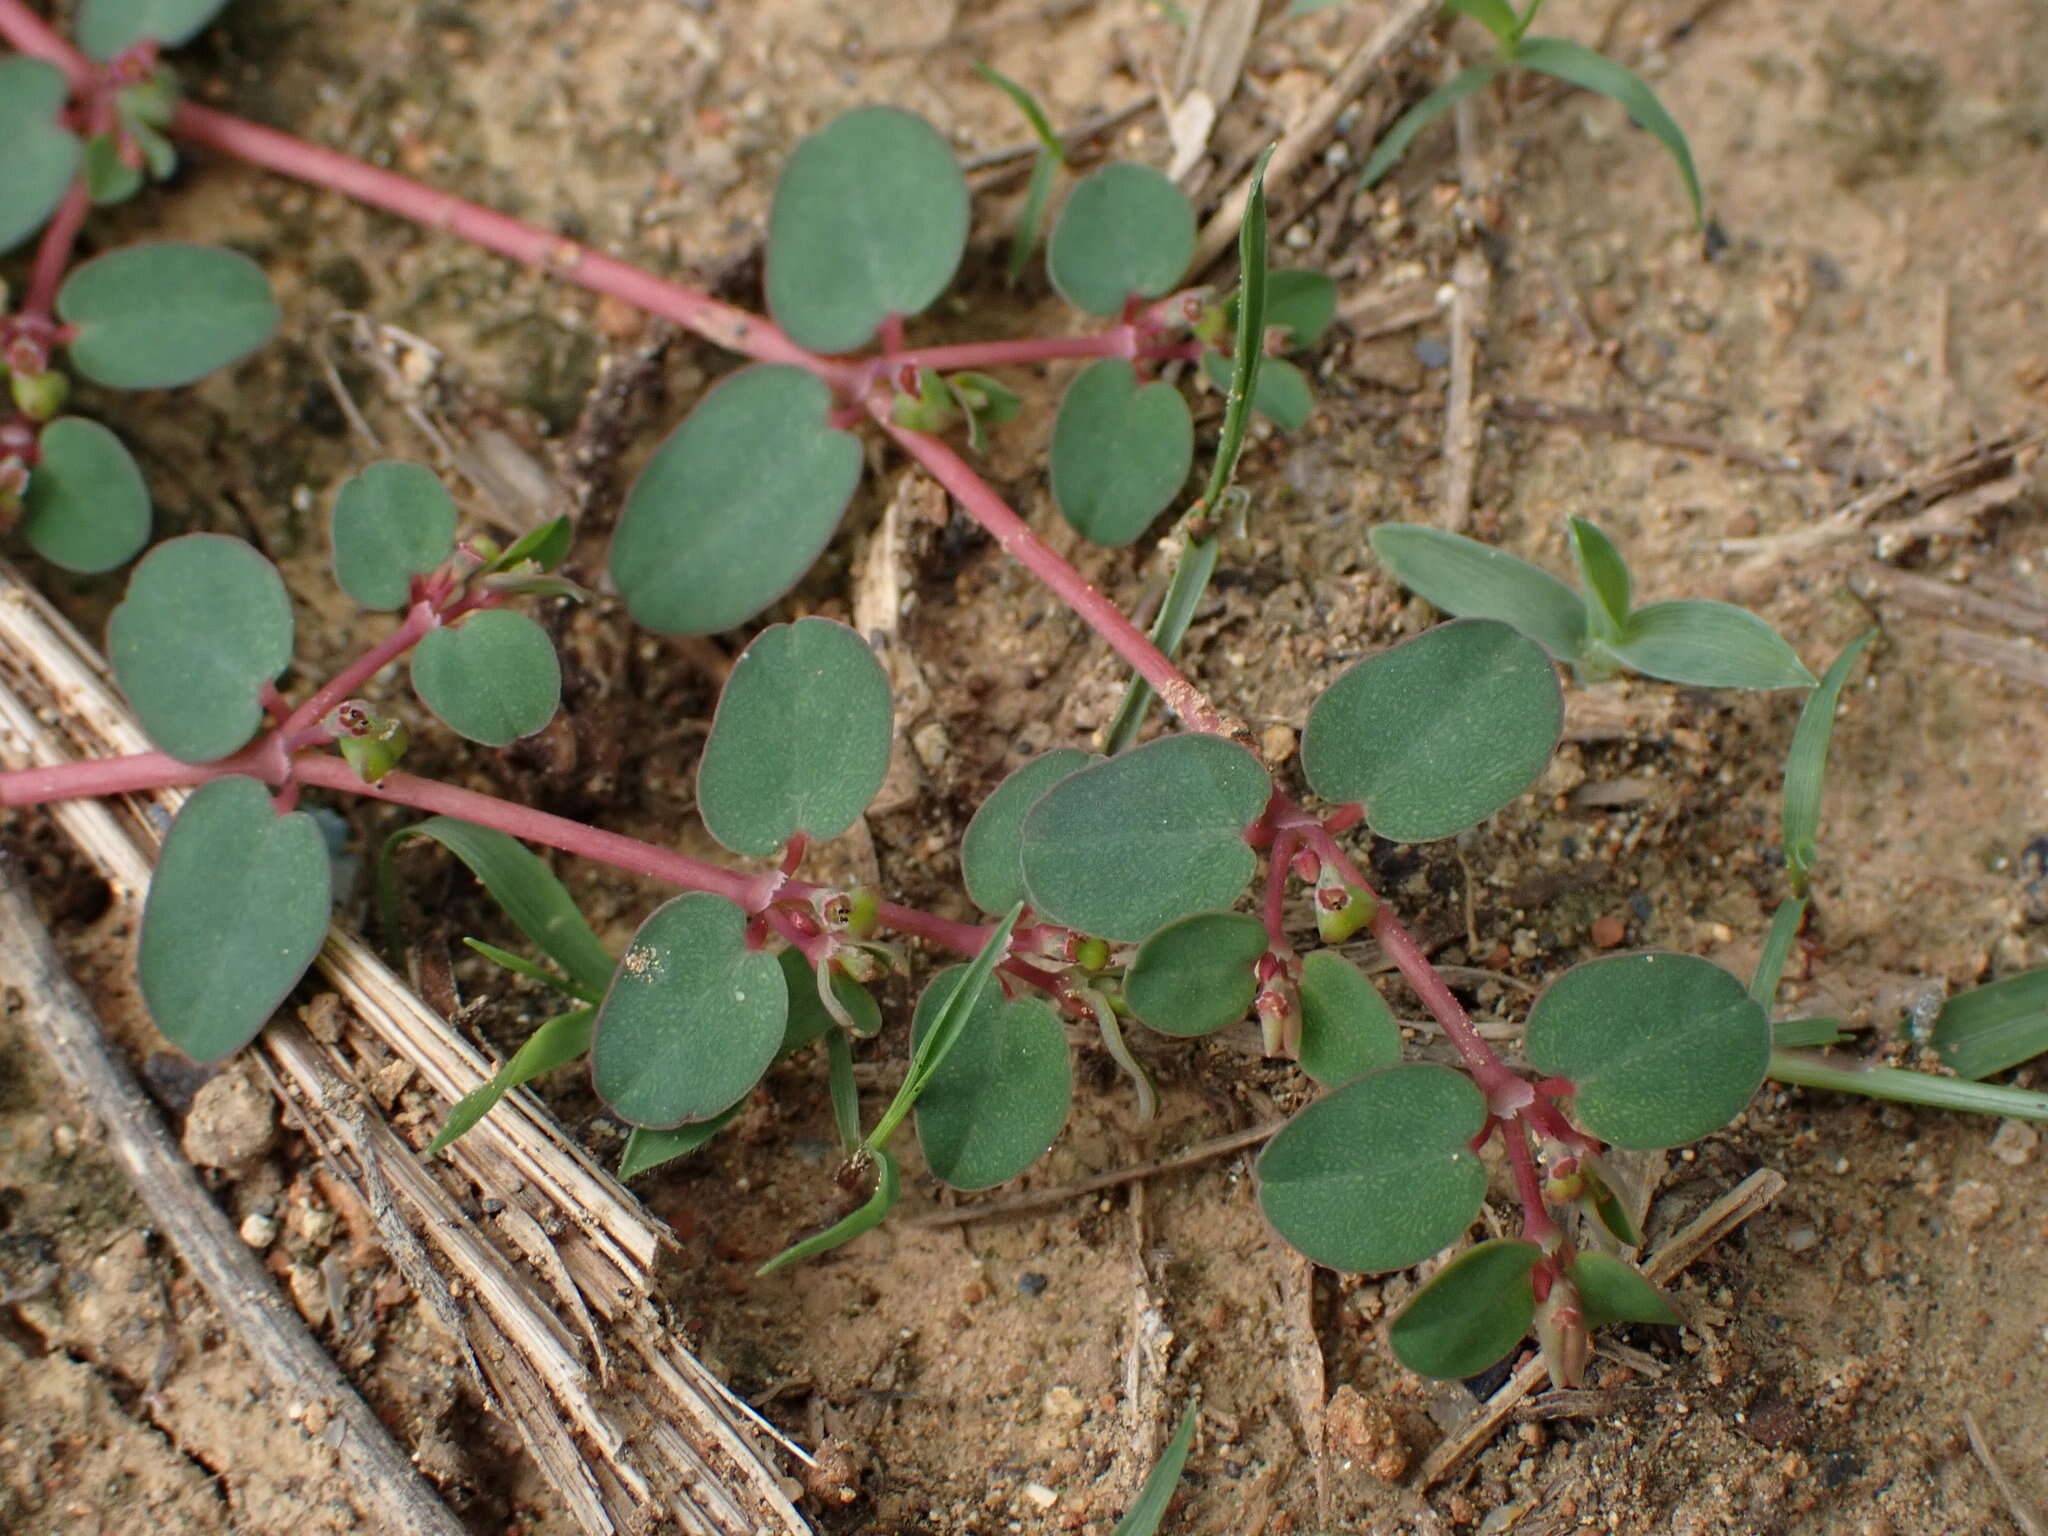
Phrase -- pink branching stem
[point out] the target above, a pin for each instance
(132, 775)
(419, 620)
(1537, 1226)
(53, 255)
(31, 35)
(1279, 861)
(1118, 341)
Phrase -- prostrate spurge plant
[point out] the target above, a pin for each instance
(1113, 881)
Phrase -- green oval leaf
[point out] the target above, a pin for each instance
(391, 523)
(735, 505)
(800, 742)
(155, 316)
(869, 221)
(1347, 1029)
(1120, 453)
(1280, 394)
(1708, 645)
(1124, 848)
(1613, 1292)
(809, 1019)
(1195, 975)
(206, 623)
(1379, 1174)
(1125, 230)
(105, 27)
(236, 911)
(991, 857)
(1807, 761)
(1995, 1026)
(493, 678)
(1471, 1313)
(1664, 1048)
(42, 154)
(692, 1018)
(87, 505)
(1438, 733)
(1476, 581)
(539, 905)
(647, 1149)
(108, 178)
(999, 1097)
(1300, 304)
(1606, 576)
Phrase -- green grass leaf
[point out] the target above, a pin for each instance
(1145, 1513)
(1498, 17)
(1476, 581)
(1605, 576)
(1806, 765)
(156, 316)
(42, 154)
(692, 1019)
(1122, 849)
(106, 27)
(1126, 231)
(647, 1149)
(236, 912)
(1664, 1048)
(800, 742)
(390, 523)
(1469, 1313)
(1378, 1174)
(1614, 1292)
(735, 504)
(1995, 1026)
(1347, 1029)
(493, 678)
(1770, 963)
(996, 1102)
(1195, 975)
(1437, 733)
(936, 1042)
(1418, 117)
(205, 625)
(991, 856)
(516, 877)
(1120, 452)
(1708, 645)
(888, 1188)
(1576, 64)
(87, 506)
(556, 1043)
(869, 220)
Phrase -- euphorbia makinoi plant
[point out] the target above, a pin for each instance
(1113, 879)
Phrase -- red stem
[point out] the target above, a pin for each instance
(53, 255)
(1537, 1226)
(31, 35)
(1118, 341)
(1279, 862)
(419, 621)
(94, 777)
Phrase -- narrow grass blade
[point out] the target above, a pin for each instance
(555, 1044)
(1160, 1483)
(1028, 105)
(1497, 16)
(1806, 1034)
(1045, 171)
(1770, 965)
(933, 1047)
(1906, 1087)
(845, 1093)
(887, 1187)
(2000, 1025)
(1576, 64)
(1420, 116)
(1806, 764)
(519, 965)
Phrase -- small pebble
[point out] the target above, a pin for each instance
(2014, 1143)
(1041, 1497)
(1800, 1239)
(1974, 1204)
(1608, 932)
(1432, 353)
(259, 1230)
(1031, 1283)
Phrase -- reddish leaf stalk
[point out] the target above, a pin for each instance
(53, 255)
(1537, 1226)
(419, 620)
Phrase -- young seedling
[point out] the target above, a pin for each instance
(1558, 57)
(147, 317)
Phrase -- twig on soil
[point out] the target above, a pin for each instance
(1306, 137)
(1951, 600)
(1641, 425)
(2023, 1516)
(1306, 1372)
(1955, 515)
(1039, 1199)
(2015, 658)
(394, 1494)
(1471, 284)
(1686, 1245)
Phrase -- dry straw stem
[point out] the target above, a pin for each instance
(622, 1419)
(388, 1490)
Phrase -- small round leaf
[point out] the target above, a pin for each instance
(1281, 394)
(88, 509)
(1302, 304)
(236, 911)
(1613, 1292)
(105, 27)
(869, 221)
(800, 742)
(1438, 733)
(1126, 230)
(155, 316)
(735, 505)
(206, 623)
(391, 523)
(1000, 1095)
(1120, 454)
(42, 154)
(1379, 1174)
(1664, 1048)
(1122, 849)
(1347, 1029)
(692, 1018)
(1473, 1311)
(493, 678)
(991, 861)
(1195, 976)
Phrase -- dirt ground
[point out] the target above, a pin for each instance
(1874, 302)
